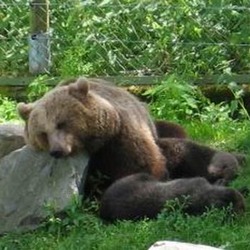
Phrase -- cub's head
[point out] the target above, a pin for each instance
(65, 119)
(223, 165)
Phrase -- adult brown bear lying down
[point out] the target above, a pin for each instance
(105, 121)
(141, 195)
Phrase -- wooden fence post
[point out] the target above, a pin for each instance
(39, 40)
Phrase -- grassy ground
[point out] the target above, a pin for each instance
(83, 229)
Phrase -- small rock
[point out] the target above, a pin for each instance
(173, 245)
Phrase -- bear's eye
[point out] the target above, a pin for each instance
(224, 167)
(43, 137)
(61, 125)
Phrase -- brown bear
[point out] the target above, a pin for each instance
(186, 158)
(110, 124)
(141, 195)
(169, 129)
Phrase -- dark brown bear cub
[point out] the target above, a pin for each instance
(169, 129)
(141, 195)
(107, 122)
(186, 158)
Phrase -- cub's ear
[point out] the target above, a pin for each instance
(79, 89)
(24, 110)
(241, 158)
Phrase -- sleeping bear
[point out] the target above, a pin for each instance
(141, 195)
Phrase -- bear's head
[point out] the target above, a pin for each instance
(68, 119)
(223, 165)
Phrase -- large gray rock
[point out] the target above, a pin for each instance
(11, 138)
(29, 180)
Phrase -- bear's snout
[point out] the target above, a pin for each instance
(60, 144)
(57, 153)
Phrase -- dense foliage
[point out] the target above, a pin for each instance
(177, 99)
(132, 37)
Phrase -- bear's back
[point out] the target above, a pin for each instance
(119, 97)
(127, 105)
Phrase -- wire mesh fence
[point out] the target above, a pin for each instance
(127, 37)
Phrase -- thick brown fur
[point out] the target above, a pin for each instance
(186, 158)
(141, 195)
(110, 124)
(169, 129)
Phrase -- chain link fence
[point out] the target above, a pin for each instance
(126, 37)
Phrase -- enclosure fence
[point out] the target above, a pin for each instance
(124, 37)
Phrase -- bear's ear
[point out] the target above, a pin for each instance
(79, 89)
(66, 82)
(24, 110)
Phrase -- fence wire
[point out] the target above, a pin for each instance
(126, 37)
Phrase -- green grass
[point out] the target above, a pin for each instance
(82, 229)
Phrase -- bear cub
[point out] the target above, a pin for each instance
(169, 129)
(141, 195)
(186, 158)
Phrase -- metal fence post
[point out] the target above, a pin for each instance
(39, 40)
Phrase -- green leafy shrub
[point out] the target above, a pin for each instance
(75, 215)
(7, 110)
(177, 99)
(14, 27)
(132, 37)
(75, 63)
(38, 87)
